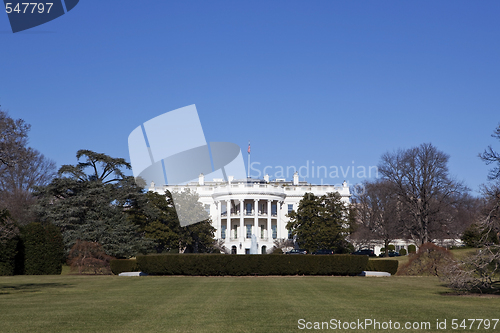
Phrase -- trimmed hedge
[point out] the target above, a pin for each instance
(390, 247)
(8, 252)
(389, 266)
(239, 265)
(42, 250)
(123, 265)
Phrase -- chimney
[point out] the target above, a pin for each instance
(296, 178)
(201, 179)
(266, 178)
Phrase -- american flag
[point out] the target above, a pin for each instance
(248, 147)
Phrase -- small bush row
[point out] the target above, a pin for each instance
(235, 265)
(389, 266)
(123, 265)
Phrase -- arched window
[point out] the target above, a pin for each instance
(264, 249)
(233, 249)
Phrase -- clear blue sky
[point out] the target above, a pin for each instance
(326, 81)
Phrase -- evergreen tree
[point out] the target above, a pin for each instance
(92, 205)
(156, 216)
(321, 223)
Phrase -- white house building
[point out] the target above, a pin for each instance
(249, 214)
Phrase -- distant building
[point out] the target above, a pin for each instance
(399, 244)
(242, 208)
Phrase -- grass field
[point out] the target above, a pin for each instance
(457, 254)
(70, 303)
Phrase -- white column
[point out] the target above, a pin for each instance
(242, 220)
(278, 219)
(256, 216)
(269, 236)
(219, 220)
(228, 217)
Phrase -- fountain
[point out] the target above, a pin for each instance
(254, 247)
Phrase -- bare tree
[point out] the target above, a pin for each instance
(21, 169)
(420, 178)
(480, 271)
(490, 156)
(283, 244)
(491, 192)
(13, 137)
(8, 229)
(378, 214)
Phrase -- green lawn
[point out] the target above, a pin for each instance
(73, 303)
(457, 253)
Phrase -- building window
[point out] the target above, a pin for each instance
(261, 231)
(223, 232)
(207, 209)
(275, 232)
(233, 249)
(235, 231)
(249, 209)
(274, 210)
(290, 208)
(249, 231)
(264, 250)
(247, 251)
(290, 235)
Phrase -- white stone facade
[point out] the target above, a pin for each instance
(242, 208)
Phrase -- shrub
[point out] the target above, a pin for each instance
(89, 258)
(277, 250)
(217, 264)
(390, 247)
(429, 259)
(389, 266)
(8, 252)
(402, 252)
(42, 250)
(344, 247)
(9, 238)
(123, 265)
(412, 248)
(475, 236)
